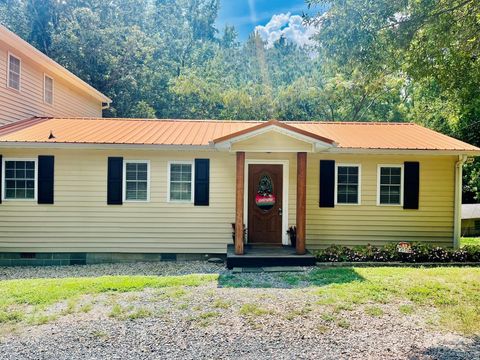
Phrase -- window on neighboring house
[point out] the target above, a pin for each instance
(136, 175)
(19, 179)
(181, 181)
(348, 184)
(14, 72)
(390, 179)
(48, 90)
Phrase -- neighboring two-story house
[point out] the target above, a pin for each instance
(32, 84)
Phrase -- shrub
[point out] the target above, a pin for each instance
(420, 252)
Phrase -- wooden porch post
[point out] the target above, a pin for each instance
(301, 201)
(239, 203)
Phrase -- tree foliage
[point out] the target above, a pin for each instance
(383, 60)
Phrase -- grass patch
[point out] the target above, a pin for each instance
(253, 310)
(222, 304)
(85, 308)
(298, 312)
(406, 309)
(327, 317)
(37, 294)
(374, 311)
(139, 314)
(453, 292)
(10, 316)
(343, 323)
(470, 241)
(49, 291)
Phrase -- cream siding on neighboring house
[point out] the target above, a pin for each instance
(29, 101)
(80, 220)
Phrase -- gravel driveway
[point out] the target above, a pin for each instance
(211, 322)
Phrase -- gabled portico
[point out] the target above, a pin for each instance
(261, 212)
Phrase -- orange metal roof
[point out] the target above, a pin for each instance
(356, 135)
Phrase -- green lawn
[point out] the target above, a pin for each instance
(454, 293)
(469, 241)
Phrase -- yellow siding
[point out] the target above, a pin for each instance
(80, 220)
(272, 141)
(376, 225)
(29, 102)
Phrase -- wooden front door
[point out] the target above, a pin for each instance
(265, 189)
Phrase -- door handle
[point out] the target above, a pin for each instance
(280, 211)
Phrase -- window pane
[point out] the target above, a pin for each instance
(19, 179)
(136, 181)
(390, 185)
(175, 167)
(347, 184)
(180, 182)
(14, 73)
(395, 179)
(142, 175)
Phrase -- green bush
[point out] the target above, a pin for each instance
(420, 252)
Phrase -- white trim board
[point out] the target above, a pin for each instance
(285, 185)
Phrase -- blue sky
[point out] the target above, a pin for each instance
(246, 14)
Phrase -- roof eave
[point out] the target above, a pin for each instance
(455, 152)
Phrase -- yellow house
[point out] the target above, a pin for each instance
(32, 84)
(76, 190)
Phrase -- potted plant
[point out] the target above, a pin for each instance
(292, 235)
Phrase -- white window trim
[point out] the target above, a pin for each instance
(45, 89)
(35, 190)
(379, 166)
(124, 185)
(8, 72)
(359, 166)
(191, 162)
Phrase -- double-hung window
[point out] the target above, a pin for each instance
(180, 181)
(20, 179)
(390, 185)
(136, 180)
(347, 187)
(48, 89)
(14, 72)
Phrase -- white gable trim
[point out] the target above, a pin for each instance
(317, 145)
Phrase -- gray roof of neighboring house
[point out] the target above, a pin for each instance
(470, 211)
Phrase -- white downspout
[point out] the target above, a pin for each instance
(457, 222)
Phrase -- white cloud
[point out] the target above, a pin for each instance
(289, 26)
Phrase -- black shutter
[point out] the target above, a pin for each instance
(202, 182)
(115, 181)
(411, 184)
(46, 169)
(327, 183)
(1, 179)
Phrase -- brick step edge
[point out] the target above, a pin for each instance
(395, 264)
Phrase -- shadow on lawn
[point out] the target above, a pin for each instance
(442, 352)
(288, 280)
